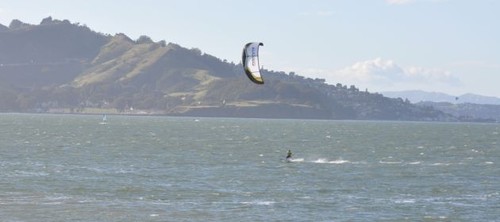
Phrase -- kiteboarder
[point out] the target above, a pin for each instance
(289, 155)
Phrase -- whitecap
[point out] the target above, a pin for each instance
(435, 217)
(259, 203)
(321, 160)
(340, 161)
(324, 160)
(440, 164)
(296, 160)
(24, 173)
(405, 201)
(390, 162)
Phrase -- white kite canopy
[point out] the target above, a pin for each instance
(251, 62)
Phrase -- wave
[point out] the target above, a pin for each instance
(323, 160)
(22, 198)
(259, 203)
(435, 164)
(320, 161)
(440, 164)
(400, 162)
(391, 162)
(405, 201)
(422, 163)
(296, 160)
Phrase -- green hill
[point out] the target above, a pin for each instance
(58, 66)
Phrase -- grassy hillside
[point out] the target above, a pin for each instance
(58, 66)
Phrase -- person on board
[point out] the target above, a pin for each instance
(289, 154)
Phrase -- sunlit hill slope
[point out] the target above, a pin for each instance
(59, 66)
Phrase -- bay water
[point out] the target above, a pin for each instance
(140, 168)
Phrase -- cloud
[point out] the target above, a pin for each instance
(378, 71)
(382, 73)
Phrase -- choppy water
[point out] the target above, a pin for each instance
(71, 168)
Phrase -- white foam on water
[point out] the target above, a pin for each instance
(258, 203)
(296, 160)
(56, 200)
(391, 162)
(405, 201)
(340, 161)
(324, 160)
(321, 160)
(435, 217)
(440, 164)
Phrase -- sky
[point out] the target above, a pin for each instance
(449, 46)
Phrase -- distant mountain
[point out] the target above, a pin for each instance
(3, 28)
(478, 99)
(60, 67)
(468, 111)
(416, 96)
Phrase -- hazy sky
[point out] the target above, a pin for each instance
(450, 46)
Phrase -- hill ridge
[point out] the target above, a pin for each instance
(416, 96)
(70, 68)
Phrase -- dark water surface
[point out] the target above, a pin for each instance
(72, 168)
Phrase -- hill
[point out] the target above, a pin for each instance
(57, 66)
(416, 96)
(468, 111)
